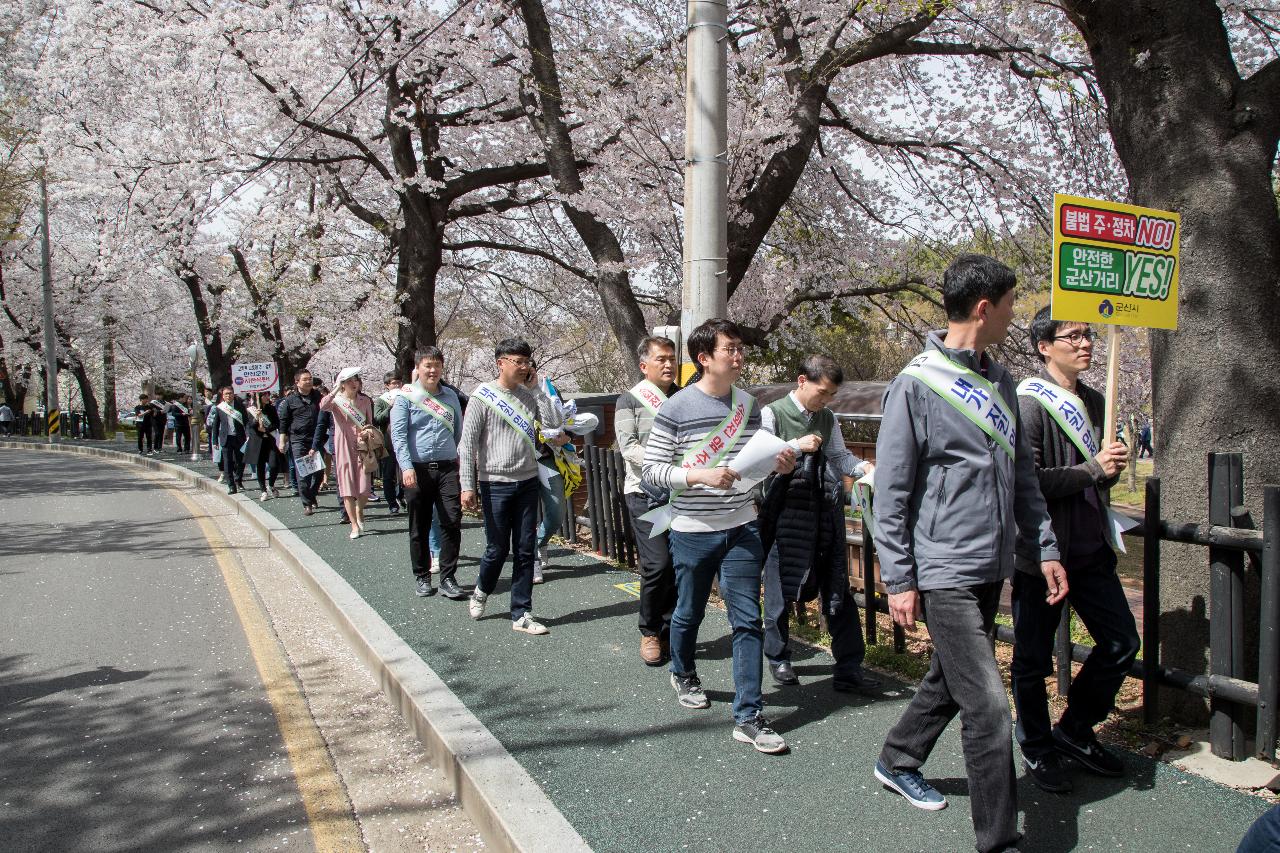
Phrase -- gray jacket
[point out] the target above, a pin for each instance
(949, 501)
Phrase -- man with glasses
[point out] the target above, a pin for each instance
(1060, 414)
(803, 528)
(632, 423)
(499, 459)
(696, 436)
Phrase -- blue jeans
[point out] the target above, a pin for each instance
(433, 538)
(552, 495)
(510, 516)
(734, 555)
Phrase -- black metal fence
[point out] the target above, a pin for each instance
(1231, 697)
(71, 425)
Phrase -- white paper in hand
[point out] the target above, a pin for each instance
(757, 459)
(308, 465)
(1119, 524)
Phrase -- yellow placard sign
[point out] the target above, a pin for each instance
(1115, 264)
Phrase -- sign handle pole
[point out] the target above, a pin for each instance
(1113, 385)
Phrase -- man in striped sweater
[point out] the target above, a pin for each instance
(499, 459)
(696, 435)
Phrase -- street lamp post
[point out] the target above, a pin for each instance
(193, 360)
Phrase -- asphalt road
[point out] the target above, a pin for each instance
(132, 714)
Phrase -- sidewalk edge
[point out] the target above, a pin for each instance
(508, 807)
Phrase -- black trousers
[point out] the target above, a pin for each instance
(157, 432)
(657, 576)
(308, 486)
(233, 465)
(269, 464)
(848, 646)
(1095, 593)
(389, 471)
(144, 434)
(964, 679)
(182, 434)
(438, 491)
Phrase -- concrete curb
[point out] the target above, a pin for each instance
(508, 807)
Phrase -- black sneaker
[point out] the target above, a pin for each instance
(689, 690)
(449, 587)
(424, 588)
(1093, 755)
(756, 732)
(1046, 771)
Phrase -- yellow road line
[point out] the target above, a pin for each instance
(329, 811)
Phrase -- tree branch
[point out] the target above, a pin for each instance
(524, 250)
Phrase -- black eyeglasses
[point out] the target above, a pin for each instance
(1076, 338)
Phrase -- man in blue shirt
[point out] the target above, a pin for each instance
(425, 422)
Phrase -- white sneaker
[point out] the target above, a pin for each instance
(475, 605)
(542, 557)
(275, 493)
(435, 562)
(355, 534)
(537, 572)
(266, 496)
(526, 625)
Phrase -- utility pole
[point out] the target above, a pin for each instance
(706, 182)
(52, 415)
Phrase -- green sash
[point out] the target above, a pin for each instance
(421, 397)
(1067, 410)
(970, 394)
(510, 410)
(714, 448)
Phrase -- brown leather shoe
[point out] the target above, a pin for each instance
(651, 651)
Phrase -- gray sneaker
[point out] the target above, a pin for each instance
(476, 604)
(689, 691)
(756, 732)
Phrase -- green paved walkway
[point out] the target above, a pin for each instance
(632, 770)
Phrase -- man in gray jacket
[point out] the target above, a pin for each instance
(955, 483)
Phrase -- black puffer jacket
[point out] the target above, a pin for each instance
(803, 515)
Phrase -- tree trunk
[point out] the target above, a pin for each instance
(1196, 139)
(421, 256)
(110, 414)
(89, 398)
(612, 280)
(218, 359)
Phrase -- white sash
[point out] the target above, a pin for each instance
(970, 394)
(649, 395)
(181, 408)
(1069, 413)
(510, 410)
(709, 453)
(230, 411)
(1067, 410)
(421, 397)
(349, 409)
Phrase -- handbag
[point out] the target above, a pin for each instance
(371, 448)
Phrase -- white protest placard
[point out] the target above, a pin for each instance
(308, 465)
(252, 377)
